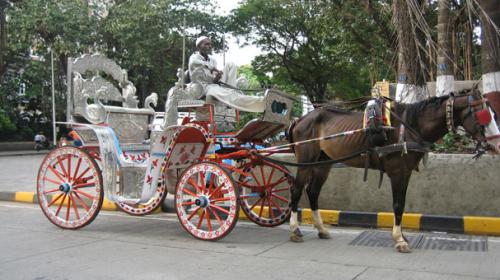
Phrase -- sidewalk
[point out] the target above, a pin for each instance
(23, 153)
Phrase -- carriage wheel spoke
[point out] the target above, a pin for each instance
(257, 182)
(55, 200)
(81, 175)
(56, 173)
(212, 183)
(68, 208)
(221, 199)
(69, 168)
(216, 216)
(83, 193)
(277, 182)
(209, 223)
(52, 181)
(51, 191)
(193, 213)
(282, 189)
(62, 167)
(216, 190)
(194, 184)
(280, 197)
(74, 206)
(60, 205)
(189, 192)
(270, 176)
(271, 213)
(77, 167)
(200, 220)
(84, 185)
(261, 207)
(202, 182)
(82, 203)
(276, 205)
(255, 204)
(187, 203)
(262, 174)
(219, 208)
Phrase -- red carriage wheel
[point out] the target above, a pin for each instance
(206, 201)
(265, 193)
(69, 187)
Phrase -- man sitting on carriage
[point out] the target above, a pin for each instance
(209, 82)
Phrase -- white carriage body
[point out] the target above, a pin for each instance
(130, 155)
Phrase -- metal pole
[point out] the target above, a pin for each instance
(53, 99)
(223, 51)
(183, 49)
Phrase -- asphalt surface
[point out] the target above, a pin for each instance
(117, 246)
(18, 170)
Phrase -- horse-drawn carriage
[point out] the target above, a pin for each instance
(129, 156)
(132, 157)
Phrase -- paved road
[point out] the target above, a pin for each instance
(18, 173)
(116, 246)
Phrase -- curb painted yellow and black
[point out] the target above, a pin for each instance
(453, 224)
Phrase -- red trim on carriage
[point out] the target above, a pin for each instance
(492, 137)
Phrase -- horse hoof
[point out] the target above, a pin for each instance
(403, 247)
(296, 237)
(298, 233)
(324, 235)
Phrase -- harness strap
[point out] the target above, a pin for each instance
(398, 147)
(309, 164)
(410, 129)
(449, 114)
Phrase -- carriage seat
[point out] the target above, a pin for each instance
(276, 116)
(99, 92)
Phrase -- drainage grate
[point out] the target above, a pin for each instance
(434, 241)
(377, 238)
(453, 242)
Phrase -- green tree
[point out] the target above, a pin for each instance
(145, 37)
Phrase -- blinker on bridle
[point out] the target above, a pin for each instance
(481, 119)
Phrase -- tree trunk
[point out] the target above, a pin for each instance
(411, 82)
(3, 36)
(445, 78)
(468, 51)
(490, 50)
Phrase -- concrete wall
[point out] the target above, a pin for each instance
(17, 146)
(450, 184)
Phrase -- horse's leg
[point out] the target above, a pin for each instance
(399, 184)
(319, 176)
(296, 193)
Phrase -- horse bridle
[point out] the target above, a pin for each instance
(481, 118)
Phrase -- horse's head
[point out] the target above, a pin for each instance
(477, 117)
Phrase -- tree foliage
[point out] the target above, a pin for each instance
(144, 37)
(309, 44)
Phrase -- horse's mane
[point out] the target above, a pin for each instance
(414, 110)
(335, 109)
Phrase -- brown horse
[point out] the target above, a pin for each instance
(425, 122)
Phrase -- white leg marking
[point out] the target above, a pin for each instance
(397, 235)
(318, 222)
(294, 224)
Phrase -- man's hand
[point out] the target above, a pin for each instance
(218, 75)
